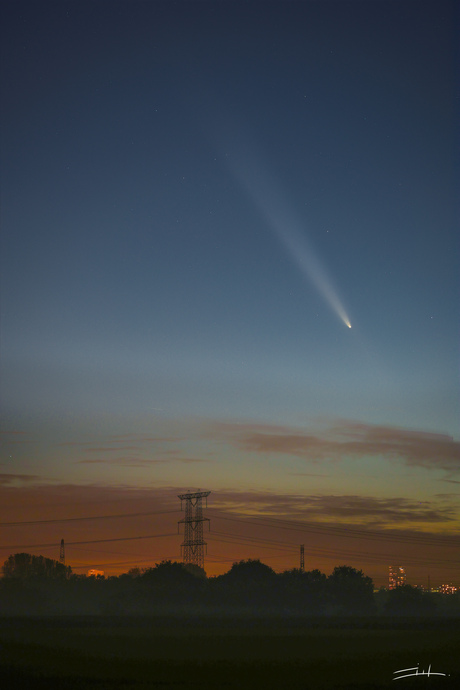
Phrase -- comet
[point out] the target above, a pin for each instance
(264, 192)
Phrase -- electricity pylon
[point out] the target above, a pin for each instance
(62, 552)
(192, 548)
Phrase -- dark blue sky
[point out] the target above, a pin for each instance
(184, 184)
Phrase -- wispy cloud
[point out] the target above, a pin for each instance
(124, 461)
(113, 442)
(119, 461)
(369, 511)
(190, 460)
(142, 438)
(109, 449)
(139, 462)
(133, 450)
(307, 474)
(347, 439)
(6, 479)
(13, 433)
(392, 510)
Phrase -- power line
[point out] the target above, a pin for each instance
(290, 525)
(91, 541)
(99, 551)
(240, 540)
(111, 564)
(342, 531)
(328, 553)
(79, 519)
(252, 542)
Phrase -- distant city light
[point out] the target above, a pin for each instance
(96, 573)
(397, 576)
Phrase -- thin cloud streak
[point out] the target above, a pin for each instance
(347, 439)
(352, 509)
(139, 462)
(110, 449)
(6, 479)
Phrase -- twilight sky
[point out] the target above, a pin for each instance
(197, 198)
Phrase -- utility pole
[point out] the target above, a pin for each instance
(192, 548)
(62, 552)
(302, 558)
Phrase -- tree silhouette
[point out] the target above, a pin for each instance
(249, 583)
(303, 592)
(195, 570)
(250, 571)
(170, 583)
(169, 574)
(409, 601)
(134, 572)
(24, 566)
(350, 591)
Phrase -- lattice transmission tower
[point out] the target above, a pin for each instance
(62, 552)
(192, 548)
(302, 558)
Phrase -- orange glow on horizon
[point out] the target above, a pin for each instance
(117, 529)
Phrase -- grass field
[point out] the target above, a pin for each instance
(135, 653)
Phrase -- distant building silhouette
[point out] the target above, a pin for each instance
(397, 576)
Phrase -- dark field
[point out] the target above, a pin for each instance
(132, 653)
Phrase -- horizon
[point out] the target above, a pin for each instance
(146, 538)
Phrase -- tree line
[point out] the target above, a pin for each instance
(35, 585)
